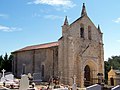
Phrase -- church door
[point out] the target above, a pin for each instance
(112, 81)
(87, 76)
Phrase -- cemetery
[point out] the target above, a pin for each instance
(29, 82)
(74, 62)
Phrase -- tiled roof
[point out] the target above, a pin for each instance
(40, 46)
(117, 71)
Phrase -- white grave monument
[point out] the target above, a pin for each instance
(94, 87)
(74, 86)
(24, 82)
(3, 76)
(9, 77)
(116, 87)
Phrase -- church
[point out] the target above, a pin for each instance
(78, 52)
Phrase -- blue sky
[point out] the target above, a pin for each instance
(30, 22)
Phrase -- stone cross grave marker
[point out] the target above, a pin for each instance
(3, 75)
(74, 86)
(74, 79)
(24, 82)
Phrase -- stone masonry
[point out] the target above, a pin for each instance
(76, 52)
(79, 52)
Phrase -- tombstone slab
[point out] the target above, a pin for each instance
(94, 87)
(9, 77)
(24, 82)
(37, 78)
(116, 87)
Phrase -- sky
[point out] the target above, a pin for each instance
(30, 22)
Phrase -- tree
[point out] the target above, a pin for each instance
(6, 62)
(1, 60)
(114, 61)
(107, 68)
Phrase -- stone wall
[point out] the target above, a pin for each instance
(20, 59)
(76, 52)
(34, 59)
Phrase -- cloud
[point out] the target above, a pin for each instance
(45, 10)
(63, 3)
(3, 15)
(53, 17)
(117, 20)
(36, 15)
(9, 29)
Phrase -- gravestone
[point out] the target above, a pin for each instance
(74, 86)
(24, 82)
(116, 87)
(8, 73)
(3, 76)
(9, 77)
(37, 78)
(94, 87)
(29, 75)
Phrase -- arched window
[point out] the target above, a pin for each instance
(82, 31)
(89, 33)
(42, 70)
(23, 68)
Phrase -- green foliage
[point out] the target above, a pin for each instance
(114, 61)
(1, 60)
(6, 62)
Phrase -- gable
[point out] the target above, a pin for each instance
(111, 72)
(85, 22)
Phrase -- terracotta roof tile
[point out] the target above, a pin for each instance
(117, 71)
(40, 46)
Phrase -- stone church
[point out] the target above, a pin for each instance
(79, 52)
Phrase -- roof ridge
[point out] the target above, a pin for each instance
(39, 46)
(43, 44)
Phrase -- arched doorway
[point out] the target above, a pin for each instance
(87, 76)
(112, 81)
